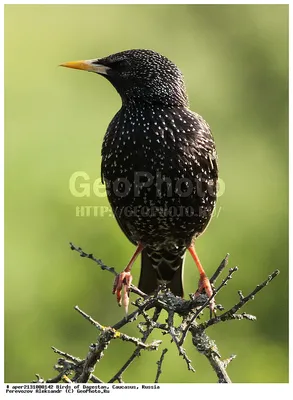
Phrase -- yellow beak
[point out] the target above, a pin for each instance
(87, 65)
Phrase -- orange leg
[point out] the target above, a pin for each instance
(204, 283)
(124, 279)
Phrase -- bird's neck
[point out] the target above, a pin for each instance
(139, 103)
(141, 109)
(164, 99)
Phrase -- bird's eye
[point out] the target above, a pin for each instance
(119, 64)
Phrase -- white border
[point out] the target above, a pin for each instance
(167, 390)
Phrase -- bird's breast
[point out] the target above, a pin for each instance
(161, 161)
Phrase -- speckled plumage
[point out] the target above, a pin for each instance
(155, 138)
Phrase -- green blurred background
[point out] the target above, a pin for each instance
(235, 62)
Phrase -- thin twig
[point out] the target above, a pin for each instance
(219, 270)
(136, 352)
(182, 351)
(92, 257)
(228, 360)
(208, 348)
(66, 355)
(104, 267)
(159, 363)
(208, 301)
(65, 367)
(119, 335)
(145, 306)
(231, 314)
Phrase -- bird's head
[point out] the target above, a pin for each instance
(139, 76)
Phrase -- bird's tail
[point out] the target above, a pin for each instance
(159, 267)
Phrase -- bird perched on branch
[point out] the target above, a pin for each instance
(159, 165)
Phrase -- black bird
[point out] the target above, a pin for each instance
(159, 164)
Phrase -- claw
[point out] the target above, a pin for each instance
(122, 284)
(204, 285)
(123, 281)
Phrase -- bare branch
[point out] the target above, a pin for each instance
(219, 270)
(182, 351)
(73, 369)
(159, 363)
(104, 267)
(231, 314)
(92, 257)
(136, 352)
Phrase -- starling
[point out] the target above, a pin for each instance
(159, 164)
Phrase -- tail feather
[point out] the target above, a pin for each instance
(154, 271)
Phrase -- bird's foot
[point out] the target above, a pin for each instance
(204, 285)
(122, 284)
